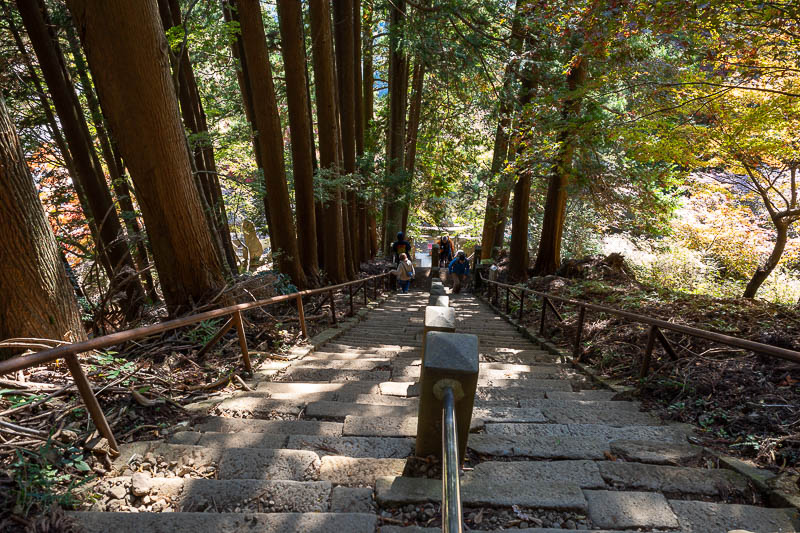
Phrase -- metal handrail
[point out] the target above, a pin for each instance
(656, 325)
(451, 485)
(70, 351)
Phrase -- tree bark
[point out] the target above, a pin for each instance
(38, 300)
(345, 71)
(763, 272)
(518, 256)
(494, 221)
(290, 17)
(127, 52)
(270, 139)
(368, 82)
(115, 169)
(327, 125)
(412, 131)
(398, 96)
(362, 225)
(548, 258)
(194, 118)
(112, 241)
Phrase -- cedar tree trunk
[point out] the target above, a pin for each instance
(38, 300)
(327, 119)
(127, 52)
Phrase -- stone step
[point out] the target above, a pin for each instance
(302, 373)
(362, 447)
(93, 522)
(371, 363)
(218, 424)
(392, 491)
(268, 463)
(340, 410)
(671, 433)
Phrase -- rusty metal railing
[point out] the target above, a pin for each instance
(69, 352)
(493, 289)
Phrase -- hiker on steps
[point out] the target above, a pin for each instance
(404, 273)
(445, 250)
(459, 268)
(399, 247)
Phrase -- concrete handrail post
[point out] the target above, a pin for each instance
(451, 360)
(437, 289)
(435, 256)
(439, 300)
(437, 319)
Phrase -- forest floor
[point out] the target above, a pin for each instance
(46, 447)
(743, 403)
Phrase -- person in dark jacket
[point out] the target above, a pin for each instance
(445, 250)
(401, 246)
(459, 268)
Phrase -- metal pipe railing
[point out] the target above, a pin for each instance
(656, 325)
(70, 351)
(451, 485)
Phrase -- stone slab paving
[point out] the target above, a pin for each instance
(535, 447)
(591, 431)
(584, 474)
(673, 479)
(352, 500)
(226, 522)
(378, 447)
(704, 517)
(626, 510)
(229, 440)
(272, 495)
(380, 427)
(264, 463)
(358, 471)
(283, 427)
(657, 453)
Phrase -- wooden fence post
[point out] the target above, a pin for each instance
(576, 349)
(90, 401)
(301, 313)
(242, 340)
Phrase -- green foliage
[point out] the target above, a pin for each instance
(48, 477)
(204, 331)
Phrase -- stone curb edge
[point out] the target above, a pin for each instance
(764, 480)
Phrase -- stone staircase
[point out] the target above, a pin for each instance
(322, 444)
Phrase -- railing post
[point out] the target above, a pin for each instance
(508, 296)
(364, 286)
(577, 353)
(434, 263)
(375, 289)
(439, 300)
(352, 309)
(437, 318)
(545, 301)
(333, 307)
(476, 261)
(521, 303)
(451, 361)
(648, 352)
(302, 314)
(90, 401)
(237, 317)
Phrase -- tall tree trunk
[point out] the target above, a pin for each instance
(38, 300)
(398, 96)
(412, 131)
(368, 82)
(361, 203)
(494, 221)
(763, 272)
(518, 260)
(327, 125)
(270, 139)
(290, 17)
(345, 70)
(112, 240)
(194, 118)
(115, 169)
(126, 49)
(548, 258)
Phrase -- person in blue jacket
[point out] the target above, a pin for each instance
(459, 268)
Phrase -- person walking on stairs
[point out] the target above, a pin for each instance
(445, 250)
(399, 247)
(405, 272)
(459, 268)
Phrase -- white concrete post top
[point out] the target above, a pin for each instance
(441, 301)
